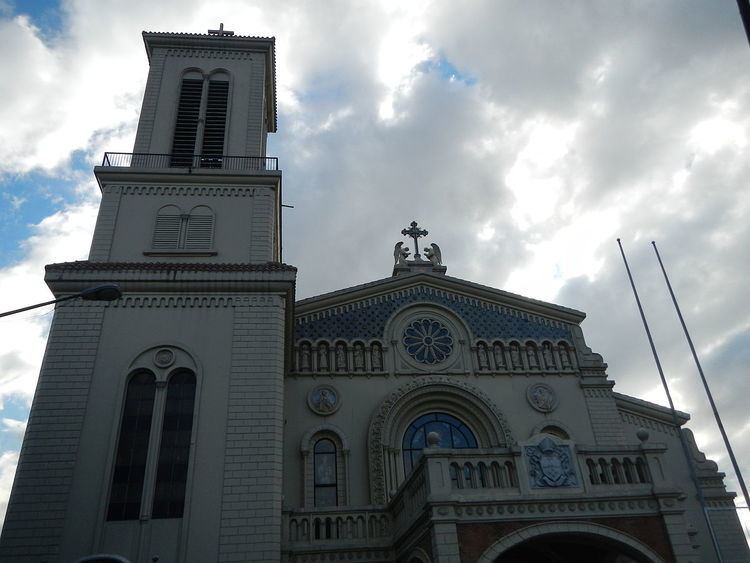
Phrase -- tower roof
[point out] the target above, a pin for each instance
(225, 41)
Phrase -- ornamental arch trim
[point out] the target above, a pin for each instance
(420, 396)
(586, 528)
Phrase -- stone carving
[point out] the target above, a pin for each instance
(498, 354)
(323, 400)
(542, 397)
(482, 358)
(515, 356)
(322, 356)
(550, 465)
(433, 254)
(549, 358)
(340, 357)
(359, 357)
(564, 357)
(164, 357)
(400, 254)
(304, 357)
(428, 341)
(416, 233)
(377, 357)
(422, 385)
(532, 357)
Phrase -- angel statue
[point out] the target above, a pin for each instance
(400, 254)
(433, 254)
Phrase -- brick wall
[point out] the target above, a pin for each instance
(251, 497)
(101, 243)
(604, 415)
(39, 501)
(475, 538)
(150, 99)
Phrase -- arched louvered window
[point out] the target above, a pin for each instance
(215, 121)
(326, 483)
(200, 127)
(174, 449)
(132, 448)
(186, 125)
(200, 228)
(175, 230)
(168, 228)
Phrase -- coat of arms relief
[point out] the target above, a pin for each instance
(550, 465)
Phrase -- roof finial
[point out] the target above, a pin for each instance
(220, 32)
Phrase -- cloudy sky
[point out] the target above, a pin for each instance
(526, 136)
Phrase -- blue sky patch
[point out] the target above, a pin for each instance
(47, 15)
(448, 71)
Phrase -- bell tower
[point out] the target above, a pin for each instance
(156, 428)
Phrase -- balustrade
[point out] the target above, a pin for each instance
(325, 525)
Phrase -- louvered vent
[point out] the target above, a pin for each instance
(167, 231)
(216, 118)
(186, 127)
(200, 229)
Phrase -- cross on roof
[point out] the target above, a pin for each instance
(415, 232)
(220, 32)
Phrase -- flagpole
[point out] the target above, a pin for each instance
(703, 379)
(675, 420)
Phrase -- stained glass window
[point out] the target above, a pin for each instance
(325, 473)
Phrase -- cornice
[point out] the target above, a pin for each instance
(161, 277)
(639, 407)
(185, 177)
(362, 295)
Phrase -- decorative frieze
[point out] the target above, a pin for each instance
(188, 190)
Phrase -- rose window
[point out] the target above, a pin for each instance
(428, 341)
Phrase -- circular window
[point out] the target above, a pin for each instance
(451, 433)
(428, 341)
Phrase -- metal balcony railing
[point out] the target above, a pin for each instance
(222, 162)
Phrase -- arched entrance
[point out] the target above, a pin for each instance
(570, 542)
(569, 548)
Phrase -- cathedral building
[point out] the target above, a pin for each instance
(208, 416)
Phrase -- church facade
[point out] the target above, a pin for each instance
(207, 415)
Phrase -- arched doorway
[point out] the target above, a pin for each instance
(569, 542)
(570, 548)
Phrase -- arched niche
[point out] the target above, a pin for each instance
(421, 396)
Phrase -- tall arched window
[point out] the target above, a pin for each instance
(451, 431)
(137, 446)
(132, 448)
(326, 483)
(171, 473)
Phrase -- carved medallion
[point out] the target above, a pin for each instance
(550, 465)
(164, 357)
(542, 397)
(323, 400)
(428, 341)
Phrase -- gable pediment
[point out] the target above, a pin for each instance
(362, 312)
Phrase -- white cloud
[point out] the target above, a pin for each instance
(583, 125)
(8, 463)
(66, 235)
